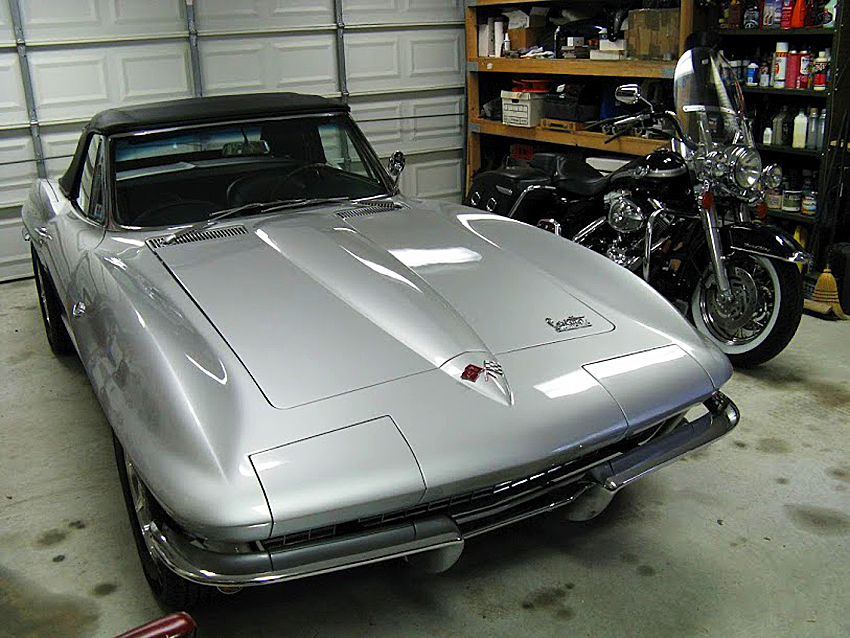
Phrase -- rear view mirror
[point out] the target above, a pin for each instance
(628, 93)
(255, 147)
(395, 165)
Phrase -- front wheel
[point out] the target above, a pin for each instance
(763, 315)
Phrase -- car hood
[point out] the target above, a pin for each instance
(323, 302)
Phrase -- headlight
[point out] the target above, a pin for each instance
(771, 176)
(746, 166)
(624, 215)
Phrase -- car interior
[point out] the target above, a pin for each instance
(286, 161)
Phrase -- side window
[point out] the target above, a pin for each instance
(90, 197)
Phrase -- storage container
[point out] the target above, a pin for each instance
(522, 109)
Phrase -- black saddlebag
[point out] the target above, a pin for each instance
(496, 191)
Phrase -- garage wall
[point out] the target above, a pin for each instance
(398, 62)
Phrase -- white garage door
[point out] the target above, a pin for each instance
(399, 63)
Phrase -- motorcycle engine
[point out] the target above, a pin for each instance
(624, 215)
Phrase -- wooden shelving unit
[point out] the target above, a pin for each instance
(627, 69)
(788, 150)
(585, 139)
(794, 217)
(806, 93)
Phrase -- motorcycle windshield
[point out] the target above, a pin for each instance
(709, 102)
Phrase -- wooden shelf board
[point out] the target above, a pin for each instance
(585, 139)
(493, 3)
(810, 93)
(794, 217)
(788, 150)
(804, 31)
(611, 68)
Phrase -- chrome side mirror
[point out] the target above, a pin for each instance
(628, 94)
(395, 165)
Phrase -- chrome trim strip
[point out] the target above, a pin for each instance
(185, 557)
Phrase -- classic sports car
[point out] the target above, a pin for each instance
(306, 371)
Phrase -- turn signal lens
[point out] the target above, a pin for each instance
(707, 200)
(761, 210)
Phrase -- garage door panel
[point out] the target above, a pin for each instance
(435, 176)
(59, 144)
(400, 11)
(154, 73)
(14, 251)
(6, 31)
(15, 179)
(96, 19)
(290, 63)
(13, 107)
(404, 59)
(77, 84)
(227, 15)
(412, 124)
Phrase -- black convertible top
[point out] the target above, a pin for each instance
(195, 110)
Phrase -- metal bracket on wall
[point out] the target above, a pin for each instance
(342, 76)
(26, 81)
(194, 56)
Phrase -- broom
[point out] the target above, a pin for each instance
(824, 299)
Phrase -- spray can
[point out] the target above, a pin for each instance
(805, 68)
(792, 70)
(780, 62)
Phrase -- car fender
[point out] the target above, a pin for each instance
(170, 387)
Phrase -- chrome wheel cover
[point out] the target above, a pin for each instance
(749, 314)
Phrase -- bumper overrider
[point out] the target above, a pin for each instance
(433, 537)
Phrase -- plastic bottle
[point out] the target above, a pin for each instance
(736, 14)
(805, 68)
(819, 71)
(801, 123)
(821, 138)
(780, 62)
(812, 130)
(767, 136)
(764, 73)
(798, 14)
(829, 14)
(779, 126)
(787, 11)
(753, 74)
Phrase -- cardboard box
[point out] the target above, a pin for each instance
(524, 38)
(522, 109)
(653, 33)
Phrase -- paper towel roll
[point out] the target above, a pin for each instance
(499, 36)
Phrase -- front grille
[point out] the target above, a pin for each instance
(371, 209)
(199, 235)
(480, 503)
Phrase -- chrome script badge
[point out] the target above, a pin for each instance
(570, 323)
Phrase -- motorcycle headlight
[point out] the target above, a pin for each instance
(771, 176)
(746, 166)
(624, 215)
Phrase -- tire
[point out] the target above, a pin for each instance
(51, 308)
(775, 290)
(173, 591)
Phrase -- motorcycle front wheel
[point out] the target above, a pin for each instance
(763, 315)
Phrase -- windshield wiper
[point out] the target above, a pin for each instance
(253, 207)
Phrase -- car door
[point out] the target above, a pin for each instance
(78, 230)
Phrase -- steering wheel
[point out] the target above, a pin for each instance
(276, 192)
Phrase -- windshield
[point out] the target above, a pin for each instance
(184, 176)
(709, 102)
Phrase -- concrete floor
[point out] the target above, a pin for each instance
(748, 537)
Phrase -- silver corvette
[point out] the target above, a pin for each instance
(307, 371)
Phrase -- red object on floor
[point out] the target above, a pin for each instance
(179, 625)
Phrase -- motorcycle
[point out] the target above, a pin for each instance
(680, 216)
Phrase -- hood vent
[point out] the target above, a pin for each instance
(371, 209)
(198, 235)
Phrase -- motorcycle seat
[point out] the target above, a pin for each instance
(571, 175)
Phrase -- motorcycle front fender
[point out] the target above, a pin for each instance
(766, 241)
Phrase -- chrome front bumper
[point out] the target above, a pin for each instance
(441, 536)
